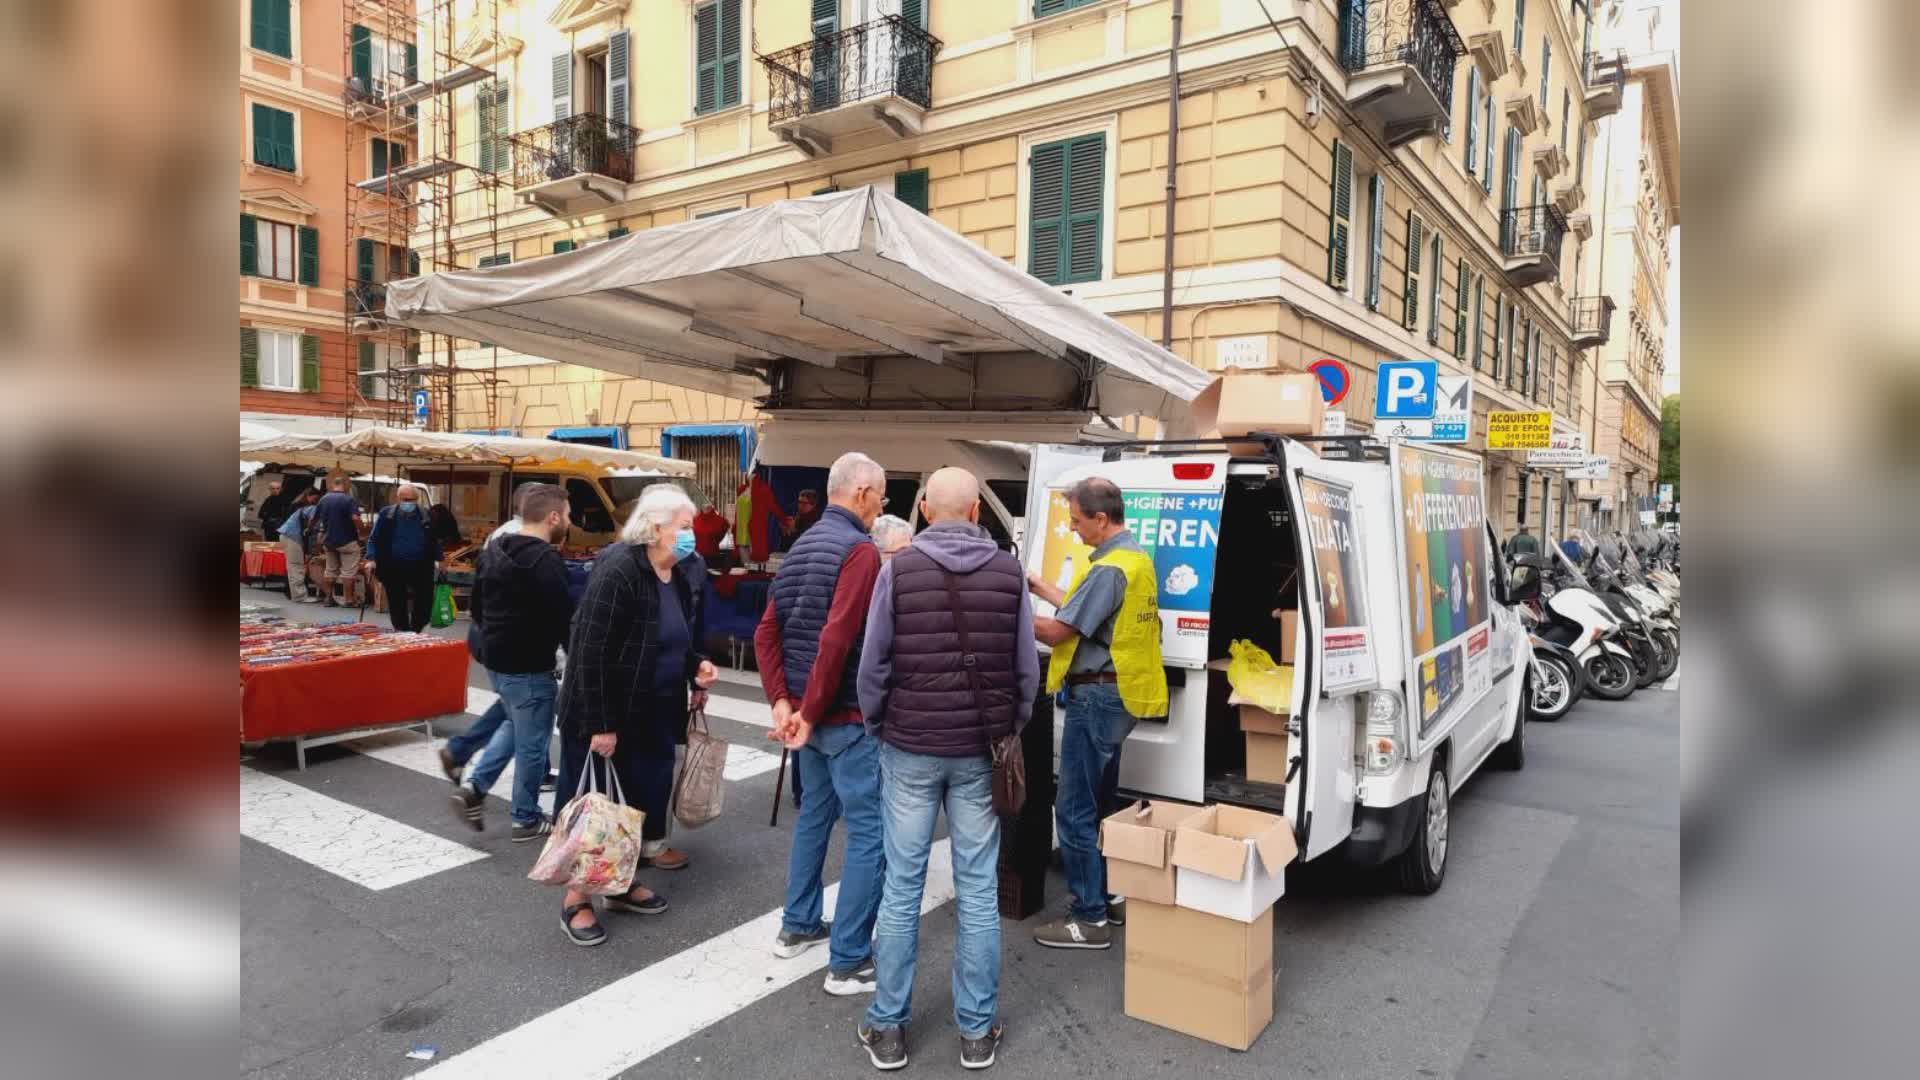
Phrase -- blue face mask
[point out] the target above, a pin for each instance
(683, 544)
(409, 507)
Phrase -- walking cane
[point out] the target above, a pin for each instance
(773, 822)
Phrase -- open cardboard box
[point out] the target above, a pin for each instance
(1231, 861)
(1262, 400)
(1138, 844)
(1199, 974)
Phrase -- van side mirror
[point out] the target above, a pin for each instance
(1523, 585)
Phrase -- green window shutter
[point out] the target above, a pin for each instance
(249, 356)
(615, 234)
(412, 69)
(560, 246)
(729, 53)
(914, 12)
(1460, 314)
(360, 42)
(1410, 287)
(1340, 216)
(1437, 272)
(1086, 196)
(365, 369)
(501, 259)
(309, 363)
(562, 85)
(249, 246)
(1499, 334)
(273, 27)
(413, 264)
(1519, 24)
(1486, 141)
(911, 188)
(619, 62)
(363, 261)
(1473, 118)
(1478, 331)
(1546, 65)
(1566, 117)
(1047, 212)
(309, 255)
(706, 58)
(1043, 8)
(284, 156)
(263, 129)
(483, 110)
(1376, 238)
(825, 190)
(825, 17)
(502, 119)
(379, 157)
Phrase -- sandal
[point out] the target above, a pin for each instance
(652, 905)
(581, 935)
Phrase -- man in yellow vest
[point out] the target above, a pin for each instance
(1106, 653)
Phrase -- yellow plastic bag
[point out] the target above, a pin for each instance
(1257, 680)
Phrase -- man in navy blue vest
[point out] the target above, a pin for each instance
(808, 648)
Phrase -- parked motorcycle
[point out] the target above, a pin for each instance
(1575, 617)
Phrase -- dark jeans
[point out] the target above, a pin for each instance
(1096, 728)
(409, 593)
(643, 758)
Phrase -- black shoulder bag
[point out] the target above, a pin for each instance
(1009, 762)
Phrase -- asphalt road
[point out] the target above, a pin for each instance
(1549, 952)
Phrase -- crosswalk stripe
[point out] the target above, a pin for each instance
(626, 1022)
(409, 751)
(744, 762)
(344, 840)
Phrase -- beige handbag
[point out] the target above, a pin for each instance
(701, 786)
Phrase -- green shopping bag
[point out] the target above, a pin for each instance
(443, 612)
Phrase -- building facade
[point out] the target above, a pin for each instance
(1365, 180)
(300, 360)
(1636, 184)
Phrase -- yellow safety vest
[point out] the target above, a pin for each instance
(1136, 637)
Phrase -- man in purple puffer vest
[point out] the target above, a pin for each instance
(934, 719)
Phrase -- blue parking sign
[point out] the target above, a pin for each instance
(1406, 390)
(420, 405)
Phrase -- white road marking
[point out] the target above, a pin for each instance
(409, 751)
(745, 712)
(626, 1022)
(344, 840)
(744, 762)
(479, 699)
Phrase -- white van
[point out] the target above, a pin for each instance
(1409, 662)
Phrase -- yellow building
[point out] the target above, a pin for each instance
(1636, 182)
(1365, 180)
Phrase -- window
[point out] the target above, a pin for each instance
(1376, 236)
(1486, 140)
(560, 246)
(1043, 8)
(716, 29)
(1473, 119)
(1479, 316)
(1460, 316)
(273, 27)
(279, 360)
(1546, 65)
(273, 138)
(388, 156)
(276, 249)
(911, 188)
(1410, 284)
(1566, 116)
(376, 263)
(1499, 336)
(721, 212)
(1066, 193)
(501, 259)
(494, 107)
(593, 84)
(378, 63)
(1438, 265)
(1514, 342)
(1519, 25)
(376, 368)
(1340, 217)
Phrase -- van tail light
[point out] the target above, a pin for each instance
(1192, 470)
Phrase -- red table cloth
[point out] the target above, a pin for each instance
(284, 700)
(262, 561)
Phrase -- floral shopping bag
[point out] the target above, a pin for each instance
(595, 844)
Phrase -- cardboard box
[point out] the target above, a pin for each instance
(1231, 861)
(1243, 402)
(1266, 759)
(1256, 719)
(1289, 628)
(1138, 844)
(1199, 974)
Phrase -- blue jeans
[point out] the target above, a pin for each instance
(842, 776)
(915, 787)
(525, 709)
(1096, 727)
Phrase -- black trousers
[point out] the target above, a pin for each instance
(409, 593)
(643, 758)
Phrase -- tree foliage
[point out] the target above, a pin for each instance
(1670, 443)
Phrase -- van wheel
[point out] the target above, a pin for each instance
(1512, 754)
(1420, 869)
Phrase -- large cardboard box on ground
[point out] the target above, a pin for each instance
(1243, 402)
(1266, 758)
(1200, 974)
(1138, 844)
(1231, 861)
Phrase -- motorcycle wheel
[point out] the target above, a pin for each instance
(1550, 689)
(1611, 677)
(1646, 662)
(1669, 655)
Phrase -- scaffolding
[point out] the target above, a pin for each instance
(406, 62)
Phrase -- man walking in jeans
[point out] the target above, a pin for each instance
(521, 609)
(808, 644)
(1106, 652)
(948, 664)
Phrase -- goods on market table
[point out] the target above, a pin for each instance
(266, 640)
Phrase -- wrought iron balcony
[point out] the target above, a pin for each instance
(571, 166)
(1606, 82)
(1592, 319)
(1399, 55)
(1530, 239)
(876, 74)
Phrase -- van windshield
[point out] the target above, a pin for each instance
(624, 490)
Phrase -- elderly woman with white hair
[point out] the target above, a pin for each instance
(891, 534)
(632, 657)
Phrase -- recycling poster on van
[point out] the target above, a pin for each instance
(1347, 641)
(1181, 531)
(1443, 541)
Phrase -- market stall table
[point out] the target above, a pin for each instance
(260, 560)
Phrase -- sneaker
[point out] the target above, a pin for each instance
(524, 833)
(860, 980)
(978, 1053)
(886, 1046)
(467, 804)
(1116, 910)
(1071, 933)
(791, 943)
(452, 768)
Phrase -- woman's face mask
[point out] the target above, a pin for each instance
(683, 543)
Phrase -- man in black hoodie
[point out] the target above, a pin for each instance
(521, 608)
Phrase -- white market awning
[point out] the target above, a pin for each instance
(400, 448)
(849, 301)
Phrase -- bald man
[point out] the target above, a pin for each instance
(404, 554)
(948, 665)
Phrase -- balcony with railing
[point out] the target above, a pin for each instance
(1606, 82)
(1591, 318)
(576, 165)
(1530, 238)
(878, 74)
(1399, 55)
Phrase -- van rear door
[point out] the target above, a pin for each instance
(1441, 541)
